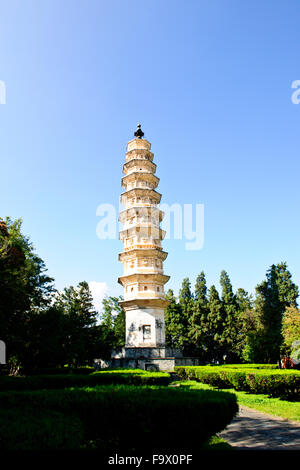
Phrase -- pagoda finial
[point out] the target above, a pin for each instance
(139, 133)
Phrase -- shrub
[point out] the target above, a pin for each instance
(25, 428)
(40, 382)
(275, 383)
(249, 366)
(116, 418)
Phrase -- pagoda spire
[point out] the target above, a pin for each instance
(139, 134)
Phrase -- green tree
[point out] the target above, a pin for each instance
(232, 326)
(217, 323)
(290, 328)
(274, 295)
(25, 290)
(199, 331)
(186, 302)
(247, 322)
(113, 323)
(173, 322)
(80, 316)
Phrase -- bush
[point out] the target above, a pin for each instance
(40, 382)
(61, 371)
(249, 366)
(275, 383)
(23, 429)
(115, 418)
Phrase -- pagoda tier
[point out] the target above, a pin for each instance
(140, 196)
(141, 214)
(137, 165)
(140, 179)
(143, 279)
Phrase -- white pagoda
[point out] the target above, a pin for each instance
(142, 257)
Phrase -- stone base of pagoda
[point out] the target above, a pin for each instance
(146, 358)
(152, 359)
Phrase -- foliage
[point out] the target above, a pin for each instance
(113, 323)
(275, 383)
(115, 418)
(25, 289)
(291, 326)
(199, 328)
(37, 382)
(274, 295)
(173, 322)
(79, 316)
(275, 406)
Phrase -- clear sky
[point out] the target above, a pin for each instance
(210, 81)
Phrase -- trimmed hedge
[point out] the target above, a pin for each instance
(247, 366)
(60, 371)
(25, 428)
(40, 382)
(275, 383)
(114, 419)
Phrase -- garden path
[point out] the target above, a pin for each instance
(251, 429)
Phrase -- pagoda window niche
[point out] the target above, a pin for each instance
(146, 332)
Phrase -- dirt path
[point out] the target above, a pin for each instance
(254, 430)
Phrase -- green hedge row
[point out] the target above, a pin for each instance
(114, 419)
(248, 366)
(40, 382)
(275, 383)
(61, 371)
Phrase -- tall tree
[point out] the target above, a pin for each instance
(25, 289)
(274, 295)
(217, 323)
(174, 325)
(290, 328)
(246, 321)
(232, 322)
(80, 315)
(113, 322)
(186, 302)
(199, 331)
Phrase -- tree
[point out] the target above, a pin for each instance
(290, 327)
(25, 290)
(199, 332)
(247, 322)
(186, 302)
(232, 324)
(80, 316)
(173, 322)
(217, 322)
(113, 323)
(274, 295)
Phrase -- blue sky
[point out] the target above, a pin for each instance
(210, 81)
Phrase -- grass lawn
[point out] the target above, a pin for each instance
(275, 406)
(217, 443)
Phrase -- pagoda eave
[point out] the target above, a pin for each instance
(143, 303)
(143, 252)
(140, 163)
(143, 277)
